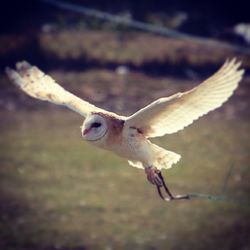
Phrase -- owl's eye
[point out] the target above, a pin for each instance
(96, 125)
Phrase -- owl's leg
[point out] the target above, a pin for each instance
(171, 197)
(155, 177)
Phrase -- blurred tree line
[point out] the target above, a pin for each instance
(202, 17)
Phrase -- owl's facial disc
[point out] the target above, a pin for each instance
(94, 128)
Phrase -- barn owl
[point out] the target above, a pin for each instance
(129, 137)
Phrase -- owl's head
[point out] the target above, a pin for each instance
(94, 127)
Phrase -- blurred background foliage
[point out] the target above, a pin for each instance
(58, 192)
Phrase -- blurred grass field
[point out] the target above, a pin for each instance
(58, 192)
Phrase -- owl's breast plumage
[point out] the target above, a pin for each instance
(133, 146)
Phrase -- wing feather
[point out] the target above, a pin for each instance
(41, 86)
(170, 114)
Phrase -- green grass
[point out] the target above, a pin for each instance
(58, 192)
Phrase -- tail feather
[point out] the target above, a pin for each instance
(164, 158)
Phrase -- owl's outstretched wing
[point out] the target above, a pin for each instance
(171, 114)
(41, 86)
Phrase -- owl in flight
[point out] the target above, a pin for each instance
(129, 137)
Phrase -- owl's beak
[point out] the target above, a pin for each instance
(86, 131)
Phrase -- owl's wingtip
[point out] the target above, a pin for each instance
(23, 65)
(9, 71)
